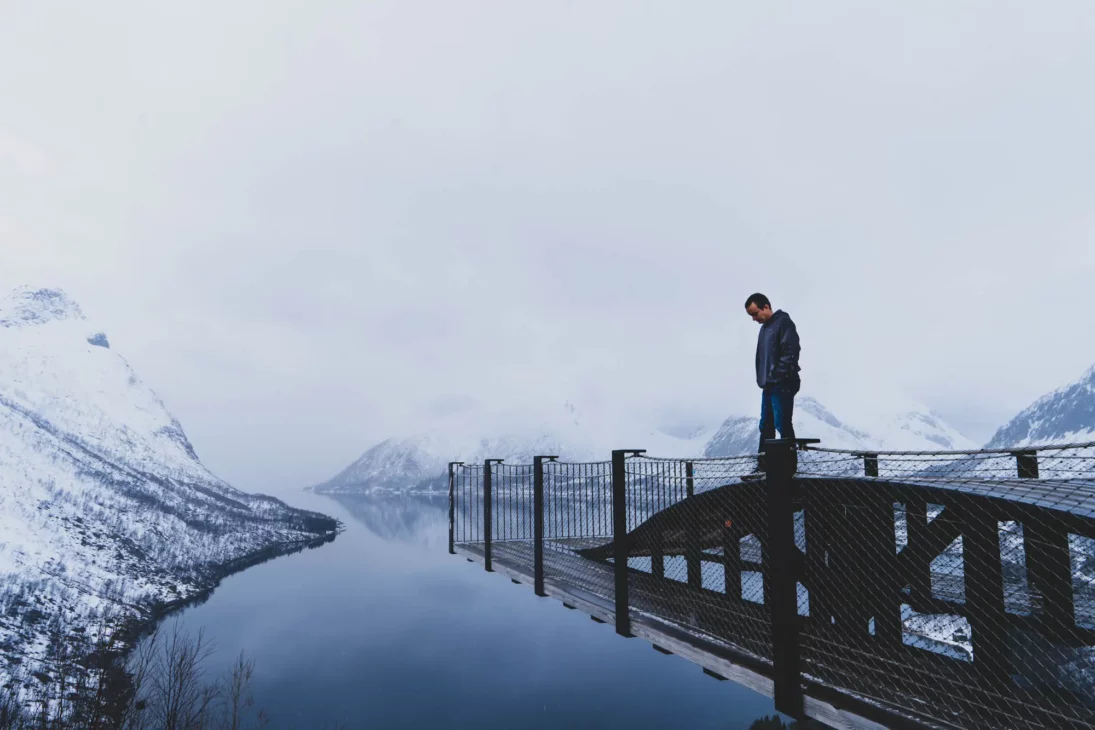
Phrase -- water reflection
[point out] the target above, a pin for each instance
(421, 520)
(383, 628)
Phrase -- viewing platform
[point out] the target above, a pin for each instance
(939, 589)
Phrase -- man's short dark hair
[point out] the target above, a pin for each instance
(759, 299)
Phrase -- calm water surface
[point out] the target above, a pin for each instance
(383, 628)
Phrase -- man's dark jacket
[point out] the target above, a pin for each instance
(777, 352)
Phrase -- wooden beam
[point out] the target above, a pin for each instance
(926, 541)
(1049, 577)
(985, 599)
(880, 566)
(913, 568)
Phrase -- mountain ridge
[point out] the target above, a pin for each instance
(104, 504)
(1064, 414)
(575, 438)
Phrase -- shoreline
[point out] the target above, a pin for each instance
(115, 647)
(128, 632)
(133, 630)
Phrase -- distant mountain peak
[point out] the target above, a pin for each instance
(1087, 380)
(418, 462)
(28, 306)
(740, 435)
(686, 431)
(901, 429)
(1064, 414)
(818, 411)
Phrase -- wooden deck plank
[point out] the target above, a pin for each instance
(705, 611)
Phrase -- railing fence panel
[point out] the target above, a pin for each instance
(944, 588)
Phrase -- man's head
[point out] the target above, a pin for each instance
(758, 307)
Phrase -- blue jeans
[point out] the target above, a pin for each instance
(777, 407)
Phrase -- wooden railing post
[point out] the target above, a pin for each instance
(1048, 561)
(693, 556)
(1026, 463)
(452, 508)
(488, 524)
(620, 540)
(538, 522)
(918, 563)
(870, 464)
(783, 598)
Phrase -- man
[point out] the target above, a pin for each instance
(777, 369)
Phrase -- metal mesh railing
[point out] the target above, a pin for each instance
(511, 503)
(466, 510)
(944, 589)
(577, 516)
(955, 585)
(697, 546)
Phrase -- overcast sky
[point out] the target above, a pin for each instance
(311, 225)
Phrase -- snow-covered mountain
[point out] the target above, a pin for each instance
(908, 428)
(1065, 415)
(739, 435)
(419, 463)
(104, 504)
(915, 427)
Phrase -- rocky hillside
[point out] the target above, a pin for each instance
(1065, 415)
(105, 507)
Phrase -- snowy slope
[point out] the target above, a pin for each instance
(1065, 415)
(898, 422)
(922, 430)
(103, 503)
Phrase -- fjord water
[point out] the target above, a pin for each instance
(383, 628)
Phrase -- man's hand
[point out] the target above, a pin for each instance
(789, 348)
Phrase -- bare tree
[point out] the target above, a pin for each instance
(237, 695)
(133, 707)
(11, 709)
(181, 698)
(161, 686)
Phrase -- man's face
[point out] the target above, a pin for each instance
(759, 315)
